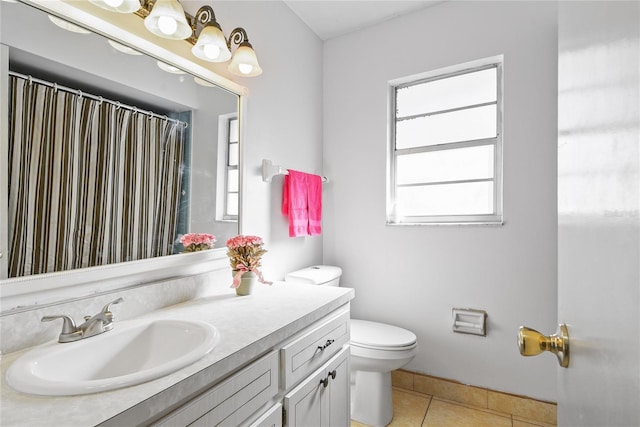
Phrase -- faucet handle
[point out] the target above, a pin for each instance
(107, 307)
(68, 325)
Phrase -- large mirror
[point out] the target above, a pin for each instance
(111, 154)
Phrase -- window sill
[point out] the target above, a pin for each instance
(497, 223)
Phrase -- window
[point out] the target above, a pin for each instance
(445, 157)
(229, 191)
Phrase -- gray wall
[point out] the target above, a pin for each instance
(283, 122)
(412, 276)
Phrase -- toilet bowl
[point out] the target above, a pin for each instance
(376, 350)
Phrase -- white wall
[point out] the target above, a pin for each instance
(413, 276)
(283, 121)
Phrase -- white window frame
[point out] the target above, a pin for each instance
(223, 167)
(496, 217)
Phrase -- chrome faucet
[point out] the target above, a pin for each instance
(93, 325)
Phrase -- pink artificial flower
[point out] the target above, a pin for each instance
(245, 254)
(240, 241)
(197, 241)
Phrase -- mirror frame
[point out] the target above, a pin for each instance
(22, 293)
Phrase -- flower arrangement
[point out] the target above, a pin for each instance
(245, 254)
(194, 242)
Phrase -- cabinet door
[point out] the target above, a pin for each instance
(339, 393)
(303, 405)
(323, 399)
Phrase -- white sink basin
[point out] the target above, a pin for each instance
(132, 353)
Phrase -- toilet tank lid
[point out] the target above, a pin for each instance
(317, 274)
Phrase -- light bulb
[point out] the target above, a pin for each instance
(211, 51)
(114, 3)
(167, 25)
(245, 68)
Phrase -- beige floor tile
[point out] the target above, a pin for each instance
(531, 409)
(409, 408)
(465, 405)
(445, 414)
(450, 390)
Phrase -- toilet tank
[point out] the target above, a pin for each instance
(327, 275)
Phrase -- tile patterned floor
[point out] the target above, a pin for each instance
(412, 409)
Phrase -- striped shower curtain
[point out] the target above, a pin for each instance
(90, 183)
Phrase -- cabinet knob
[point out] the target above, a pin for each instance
(332, 375)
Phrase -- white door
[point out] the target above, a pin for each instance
(598, 212)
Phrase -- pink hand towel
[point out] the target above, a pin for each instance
(302, 203)
(314, 188)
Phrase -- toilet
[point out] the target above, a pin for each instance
(376, 350)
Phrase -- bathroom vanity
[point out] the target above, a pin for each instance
(282, 359)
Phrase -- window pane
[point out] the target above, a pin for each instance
(232, 204)
(233, 154)
(475, 198)
(451, 92)
(463, 125)
(445, 165)
(233, 130)
(232, 180)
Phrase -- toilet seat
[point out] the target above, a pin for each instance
(380, 336)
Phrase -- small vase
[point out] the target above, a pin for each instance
(247, 282)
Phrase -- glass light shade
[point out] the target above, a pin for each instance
(167, 20)
(211, 45)
(203, 82)
(122, 48)
(169, 68)
(66, 25)
(244, 62)
(120, 6)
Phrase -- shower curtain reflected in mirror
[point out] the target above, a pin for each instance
(90, 183)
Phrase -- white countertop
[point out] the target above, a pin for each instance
(249, 327)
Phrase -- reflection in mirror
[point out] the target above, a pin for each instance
(112, 155)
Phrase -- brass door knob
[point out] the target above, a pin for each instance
(532, 343)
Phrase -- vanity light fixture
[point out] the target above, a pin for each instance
(167, 19)
(211, 45)
(122, 6)
(244, 61)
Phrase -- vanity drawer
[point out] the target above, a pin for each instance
(271, 418)
(313, 347)
(233, 400)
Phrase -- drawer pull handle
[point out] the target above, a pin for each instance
(332, 374)
(327, 344)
